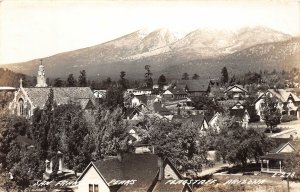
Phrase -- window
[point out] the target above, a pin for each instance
(21, 107)
(93, 188)
(96, 188)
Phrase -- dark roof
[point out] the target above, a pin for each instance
(24, 140)
(166, 187)
(195, 85)
(130, 112)
(142, 98)
(178, 91)
(193, 118)
(278, 156)
(141, 167)
(62, 95)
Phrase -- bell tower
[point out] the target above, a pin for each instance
(41, 79)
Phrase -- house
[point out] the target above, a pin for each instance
(288, 102)
(176, 93)
(130, 172)
(133, 114)
(27, 99)
(200, 120)
(273, 161)
(137, 100)
(241, 116)
(195, 87)
(100, 94)
(213, 120)
(236, 92)
(142, 91)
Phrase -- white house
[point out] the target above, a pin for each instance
(288, 103)
(130, 172)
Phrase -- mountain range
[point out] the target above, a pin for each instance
(202, 51)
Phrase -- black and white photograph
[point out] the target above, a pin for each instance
(149, 96)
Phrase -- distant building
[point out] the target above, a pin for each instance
(41, 78)
(195, 87)
(289, 103)
(27, 99)
(236, 92)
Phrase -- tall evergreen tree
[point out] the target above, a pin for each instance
(148, 77)
(82, 80)
(161, 81)
(58, 82)
(185, 76)
(71, 82)
(123, 82)
(195, 76)
(224, 75)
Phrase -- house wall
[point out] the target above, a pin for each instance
(287, 149)
(135, 102)
(170, 173)
(92, 177)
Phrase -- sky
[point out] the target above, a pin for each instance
(31, 29)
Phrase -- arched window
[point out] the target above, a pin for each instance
(21, 107)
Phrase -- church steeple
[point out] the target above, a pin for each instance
(41, 79)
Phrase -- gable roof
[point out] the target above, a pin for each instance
(281, 147)
(280, 94)
(130, 112)
(141, 167)
(166, 187)
(24, 140)
(91, 164)
(178, 91)
(142, 98)
(62, 95)
(195, 85)
(240, 87)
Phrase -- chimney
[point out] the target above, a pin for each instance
(160, 164)
(120, 156)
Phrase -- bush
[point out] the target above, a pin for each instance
(275, 130)
(288, 118)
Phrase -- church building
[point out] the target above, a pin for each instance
(26, 99)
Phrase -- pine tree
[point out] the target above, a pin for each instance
(161, 81)
(82, 81)
(185, 76)
(224, 75)
(148, 77)
(195, 76)
(71, 82)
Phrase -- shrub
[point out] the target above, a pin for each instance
(275, 130)
(288, 118)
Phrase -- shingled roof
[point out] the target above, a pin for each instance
(280, 94)
(62, 95)
(195, 85)
(164, 186)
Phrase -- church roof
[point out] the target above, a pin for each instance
(62, 95)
